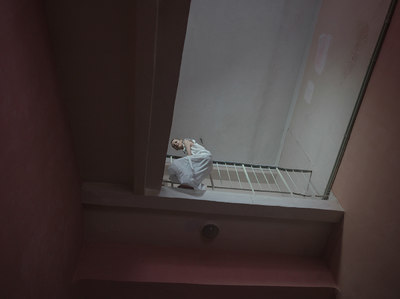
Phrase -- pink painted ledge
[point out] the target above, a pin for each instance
(126, 263)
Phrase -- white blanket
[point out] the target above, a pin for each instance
(192, 170)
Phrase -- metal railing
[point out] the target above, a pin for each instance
(241, 177)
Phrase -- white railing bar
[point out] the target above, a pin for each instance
(254, 165)
(219, 173)
(307, 183)
(256, 177)
(171, 160)
(229, 176)
(248, 179)
(284, 181)
(212, 182)
(305, 187)
(311, 185)
(313, 190)
(294, 184)
(265, 177)
(240, 183)
(292, 187)
(276, 183)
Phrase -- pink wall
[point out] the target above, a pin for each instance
(329, 90)
(123, 271)
(125, 290)
(40, 221)
(367, 259)
(168, 264)
(93, 44)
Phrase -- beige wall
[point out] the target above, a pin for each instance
(322, 113)
(367, 185)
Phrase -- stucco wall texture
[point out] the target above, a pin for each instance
(367, 260)
(40, 212)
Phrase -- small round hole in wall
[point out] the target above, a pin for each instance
(210, 231)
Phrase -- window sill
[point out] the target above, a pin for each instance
(215, 202)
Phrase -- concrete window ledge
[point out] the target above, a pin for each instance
(215, 202)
